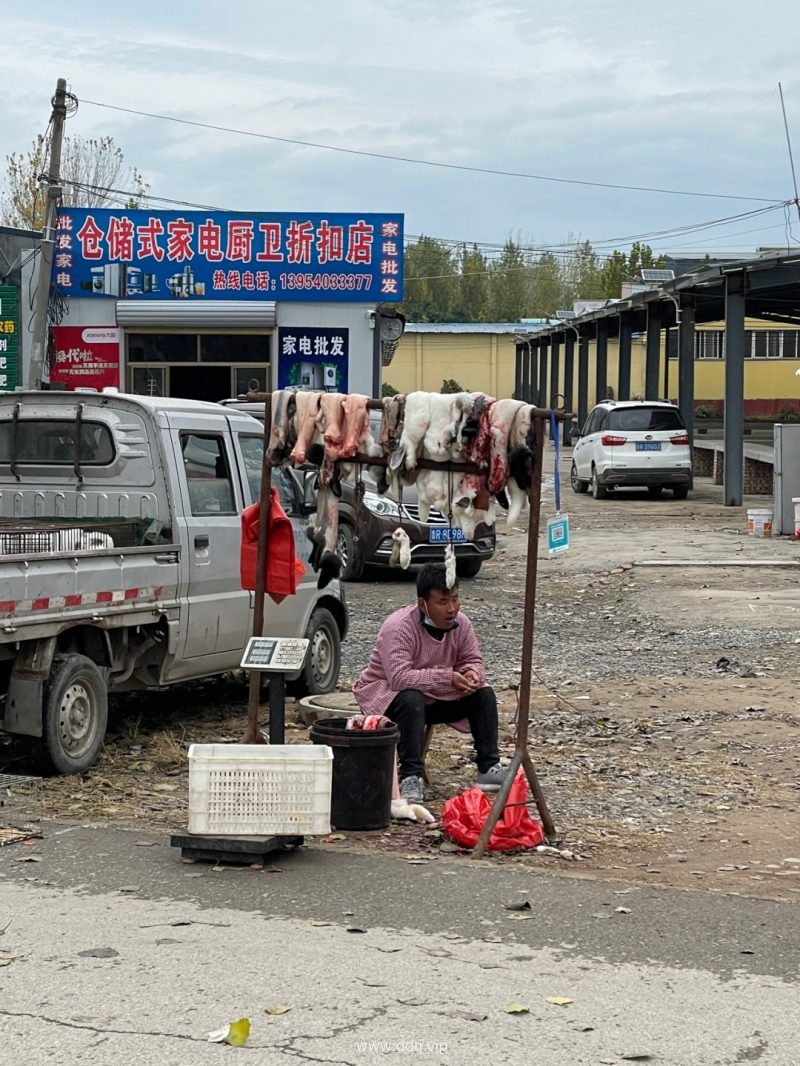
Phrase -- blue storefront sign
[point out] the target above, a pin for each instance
(214, 255)
(313, 357)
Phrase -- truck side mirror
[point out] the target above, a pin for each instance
(309, 500)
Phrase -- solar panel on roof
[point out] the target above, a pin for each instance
(657, 274)
(565, 314)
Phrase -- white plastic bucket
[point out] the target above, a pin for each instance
(759, 521)
(796, 502)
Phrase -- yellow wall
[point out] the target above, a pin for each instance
(479, 362)
(482, 362)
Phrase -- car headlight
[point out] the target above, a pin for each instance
(381, 505)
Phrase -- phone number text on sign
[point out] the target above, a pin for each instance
(326, 281)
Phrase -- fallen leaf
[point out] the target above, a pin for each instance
(6, 961)
(560, 1001)
(355, 929)
(637, 1057)
(277, 1008)
(235, 1034)
(413, 1001)
(29, 858)
(622, 910)
(519, 917)
(517, 1008)
(99, 953)
(523, 906)
(318, 923)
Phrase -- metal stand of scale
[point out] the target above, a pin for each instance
(277, 656)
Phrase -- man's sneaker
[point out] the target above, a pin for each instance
(411, 789)
(492, 778)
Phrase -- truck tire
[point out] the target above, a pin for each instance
(348, 551)
(75, 713)
(324, 658)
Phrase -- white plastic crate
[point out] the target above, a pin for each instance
(260, 789)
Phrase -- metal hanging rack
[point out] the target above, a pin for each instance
(521, 756)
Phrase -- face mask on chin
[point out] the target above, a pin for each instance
(428, 621)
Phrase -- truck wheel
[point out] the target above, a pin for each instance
(75, 714)
(468, 567)
(324, 658)
(348, 551)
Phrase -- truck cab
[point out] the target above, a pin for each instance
(120, 534)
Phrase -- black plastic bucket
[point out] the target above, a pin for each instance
(363, 772)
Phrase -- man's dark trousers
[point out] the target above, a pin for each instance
(412, 714)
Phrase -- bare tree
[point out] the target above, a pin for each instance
(93, 174)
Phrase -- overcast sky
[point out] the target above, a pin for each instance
(680, 95)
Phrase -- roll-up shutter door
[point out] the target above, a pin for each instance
(195, 314)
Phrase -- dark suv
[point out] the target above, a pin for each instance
(365, 534)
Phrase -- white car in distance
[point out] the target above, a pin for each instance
(633, 444)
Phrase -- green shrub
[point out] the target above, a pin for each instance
(451, 385)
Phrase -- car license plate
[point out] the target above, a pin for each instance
(444, 534)
(648, 446)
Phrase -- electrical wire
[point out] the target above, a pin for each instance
(120, 196)
(425, 162)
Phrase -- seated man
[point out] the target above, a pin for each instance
(426, 668)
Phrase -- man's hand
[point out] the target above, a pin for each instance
(466, 682)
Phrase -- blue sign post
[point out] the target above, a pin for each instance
(213, 255)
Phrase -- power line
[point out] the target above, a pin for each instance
(425, 162)
(569, 250)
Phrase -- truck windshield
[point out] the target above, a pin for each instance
(253, 453)
(47, 441)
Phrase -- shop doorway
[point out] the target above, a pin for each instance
(212, 383)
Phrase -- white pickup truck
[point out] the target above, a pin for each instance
(120, 531)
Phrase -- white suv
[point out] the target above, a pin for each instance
(633, 443)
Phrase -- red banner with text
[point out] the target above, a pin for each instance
(85, 357)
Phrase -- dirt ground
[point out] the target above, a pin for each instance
(674, 765)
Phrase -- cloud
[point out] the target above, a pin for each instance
(674, 97)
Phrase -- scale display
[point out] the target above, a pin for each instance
(279, 654)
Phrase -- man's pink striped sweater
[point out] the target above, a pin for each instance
(407, 656)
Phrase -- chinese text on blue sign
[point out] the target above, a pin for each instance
(214, 255)
(313, 358)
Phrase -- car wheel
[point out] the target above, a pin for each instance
(654, 490)
(75, 715)
(680, 492)
(578, 484)
(348, 551)
(598, 490)
(468, 567)
(324, 658)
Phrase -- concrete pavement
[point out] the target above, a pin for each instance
(119, 952)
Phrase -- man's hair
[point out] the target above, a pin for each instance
(433, 576)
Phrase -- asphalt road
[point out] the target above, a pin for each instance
(119, 952)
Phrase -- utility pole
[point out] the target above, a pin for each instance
(39, 326)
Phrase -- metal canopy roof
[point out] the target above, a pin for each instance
(771, 289)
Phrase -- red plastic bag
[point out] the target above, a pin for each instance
(284, 568)
(464, 816)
